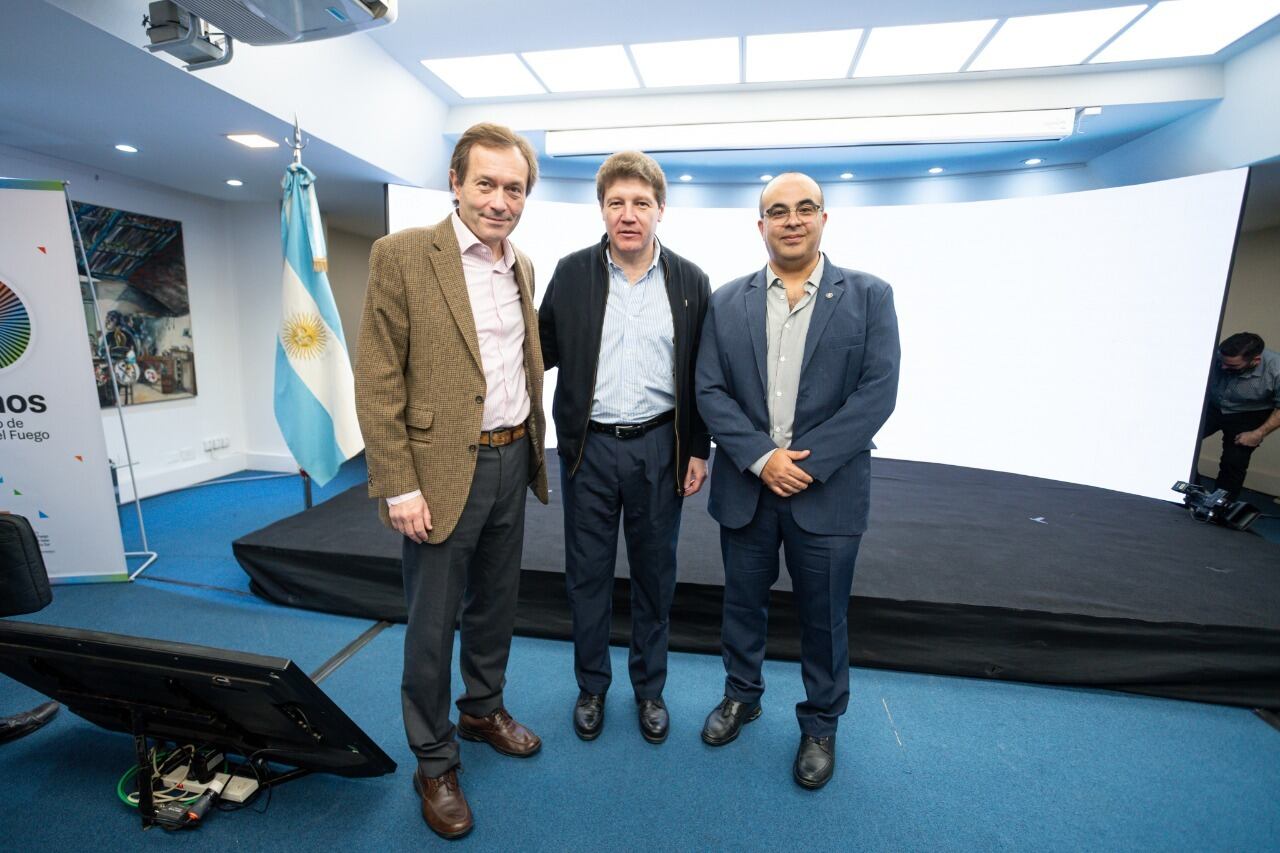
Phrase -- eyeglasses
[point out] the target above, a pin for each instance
(804, 211)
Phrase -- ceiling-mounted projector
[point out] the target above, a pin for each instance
(202, 32)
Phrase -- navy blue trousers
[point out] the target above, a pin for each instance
(632, 480)
(821, 569)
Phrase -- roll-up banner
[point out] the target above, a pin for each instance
(53, 454)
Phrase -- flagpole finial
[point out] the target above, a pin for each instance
(297, 143)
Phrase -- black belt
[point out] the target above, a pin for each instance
(625, 431)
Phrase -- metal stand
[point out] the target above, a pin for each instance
(306, 488)
(146, 551)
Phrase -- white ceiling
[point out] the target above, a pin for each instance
(112, 91)
(435, 29)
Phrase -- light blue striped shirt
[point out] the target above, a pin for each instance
(635, 379)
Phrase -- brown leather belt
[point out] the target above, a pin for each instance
(501, 437)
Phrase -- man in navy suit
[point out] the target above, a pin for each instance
(797, 372)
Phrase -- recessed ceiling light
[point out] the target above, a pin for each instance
(686, 178)
(920, 49)
(234, 182)
(766, 177)
(128, 149)
(1188, 28)
(585, 69)
(1066, 38)
(845, 176)
(253, 140)
(701, 62)
(1033, 161)
(800, 56)
(496, 76)
(936, 170)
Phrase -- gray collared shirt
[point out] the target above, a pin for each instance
(1252, 391)
(635, 379)
(786, 329)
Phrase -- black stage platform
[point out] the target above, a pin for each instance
(963, 572)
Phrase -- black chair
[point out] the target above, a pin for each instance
(24, 588)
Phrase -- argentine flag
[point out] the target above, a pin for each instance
(315, 390)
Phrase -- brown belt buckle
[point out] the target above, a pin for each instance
(500, 437)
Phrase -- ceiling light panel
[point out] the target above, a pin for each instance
(1188, 28)
(1066, 38)
(800, 56)
(496, 76)
(1025, 125)
(253, 140)
(920, 49)
(584, 69)
(700, 62)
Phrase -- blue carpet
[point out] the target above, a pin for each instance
(192, 529)
(925, 762)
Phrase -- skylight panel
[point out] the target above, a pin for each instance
(801, 56)
(1066, 38)
(495, 76)
(584, 69)
(920, 49)
(1188, 28)
(699, 62)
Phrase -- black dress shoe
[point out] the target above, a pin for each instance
(588, 715)
(12, 728)
(654, 719)
(815, 761)
(726, 721)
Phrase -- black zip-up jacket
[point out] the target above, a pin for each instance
(570, 325)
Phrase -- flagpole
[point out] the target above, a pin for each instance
(297, 144)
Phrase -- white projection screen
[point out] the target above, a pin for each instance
(1063, 336)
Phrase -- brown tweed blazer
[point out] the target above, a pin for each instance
(419, 383)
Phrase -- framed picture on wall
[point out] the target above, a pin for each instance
(139, 266)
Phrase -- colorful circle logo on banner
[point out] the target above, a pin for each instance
(15, 327)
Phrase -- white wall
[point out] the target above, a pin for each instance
(933, 190)
(1253, 305)
(256, 268)
(166, 438)
(348, 277)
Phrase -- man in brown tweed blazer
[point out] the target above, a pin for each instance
(449, 396)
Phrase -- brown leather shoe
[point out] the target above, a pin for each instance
(501, 732)
(444, 808)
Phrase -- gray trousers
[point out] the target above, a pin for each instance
(476, 570)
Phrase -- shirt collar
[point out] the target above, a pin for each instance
(468, 241)
(657, 250)
(810, 284)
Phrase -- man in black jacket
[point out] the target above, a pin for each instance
(621, 320)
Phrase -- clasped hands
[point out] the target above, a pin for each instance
(782, 475)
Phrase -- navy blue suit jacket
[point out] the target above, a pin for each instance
(848, 388)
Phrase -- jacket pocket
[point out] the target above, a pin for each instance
(417, 422)
(845, 341)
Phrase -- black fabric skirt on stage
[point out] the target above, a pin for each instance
(962, 572)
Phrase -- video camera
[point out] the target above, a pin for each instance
(1216, 507)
